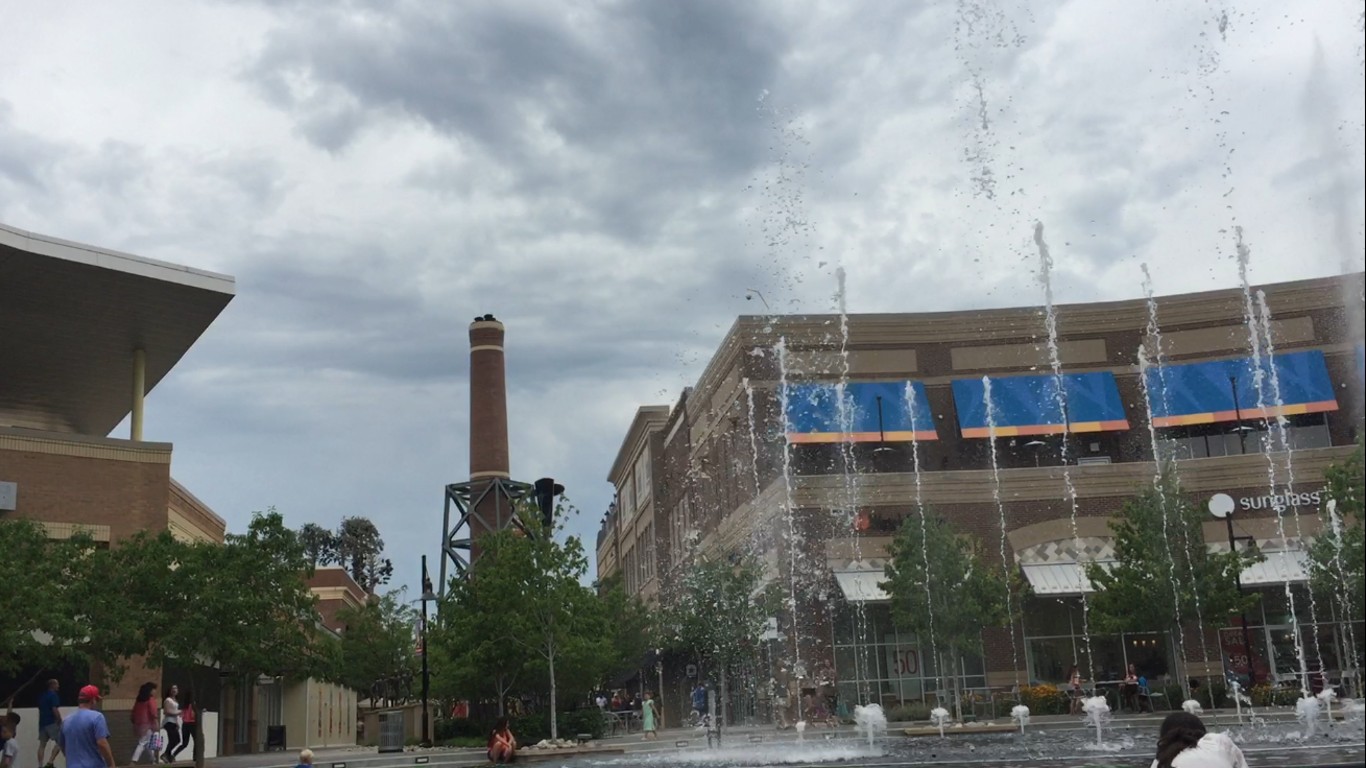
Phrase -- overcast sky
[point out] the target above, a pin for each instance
(610, 178)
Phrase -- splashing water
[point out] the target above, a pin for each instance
(1060, 394)
(1239, 699)
(800, 727)
(1307, 712)
(912, 410)
(1097, 711)
(939, 717)
(1340, 585)
(1001, 512)
(1192, 707)
(870, 721)
(1020, 714)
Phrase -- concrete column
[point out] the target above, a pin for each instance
(139, 391)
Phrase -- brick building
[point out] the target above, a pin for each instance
(765, 431)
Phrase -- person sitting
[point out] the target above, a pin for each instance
(502, 744)
(1183, 742)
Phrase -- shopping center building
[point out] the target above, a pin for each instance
(706, 477)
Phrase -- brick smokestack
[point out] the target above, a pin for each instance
(488, 401)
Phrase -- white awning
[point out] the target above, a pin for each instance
(862, 586)
(1060, 578)
(1278, 568)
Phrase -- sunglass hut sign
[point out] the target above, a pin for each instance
(1223, 504)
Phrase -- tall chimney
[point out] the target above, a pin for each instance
(488, 401)
(490, 510)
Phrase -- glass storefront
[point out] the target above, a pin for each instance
(1055, 639)
(870, 654)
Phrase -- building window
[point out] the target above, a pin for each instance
(642, 476)
(1200, 441)
(896, 666)
(1054, 641)
(626, 493)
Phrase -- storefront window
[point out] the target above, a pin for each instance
(1055, 639)
(894, 667)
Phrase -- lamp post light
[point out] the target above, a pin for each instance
(427, 596)
(1221, 506)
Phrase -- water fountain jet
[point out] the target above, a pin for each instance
(870, 721)
(1097, 711)
(939, 716)
(1020, 714)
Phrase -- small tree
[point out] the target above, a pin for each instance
(377, 653)
(717, 614)
(629, 626)
(319, 544)
(252, 612)
(474, 653)
(360, 550)
(1162, 566)
(959, 592)
(1337, 558)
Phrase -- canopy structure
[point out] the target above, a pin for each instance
(1230, 390)
(872, 412)
(78, 320)
(862, 586)
(1029, 405)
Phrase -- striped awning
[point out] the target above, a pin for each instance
(862, 586)
(872, 411)
(1279, 567)
(1059, 578)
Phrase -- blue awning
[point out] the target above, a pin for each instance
(1226, 390)
(1028, 405)
(876, 411)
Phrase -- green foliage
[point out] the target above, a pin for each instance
(715, 614)
(377, 648)
(319, 544)
(1337, 558)
(524, 610)
(74, 605)
(629, 624)
(960, 589)
(359, 549)
(1163, 566)
(1044, 699)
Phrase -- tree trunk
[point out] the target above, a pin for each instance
(957, 683)
(723, 716)
(554, 726)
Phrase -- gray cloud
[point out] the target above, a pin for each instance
(611, 178)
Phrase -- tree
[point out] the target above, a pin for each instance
(959, 592)
(717, 613)
(1163, 566)
(629, 625)
(319, 544)
(1337, 558)
(530, 584)
(79, 610)
(377, 653)
(251, 614)
(473, 651)
(359, 550)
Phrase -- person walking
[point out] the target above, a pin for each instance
(647, 715)
(144, 717)
(84, 736)
(49, 723)
(188, 729)
(170, 722)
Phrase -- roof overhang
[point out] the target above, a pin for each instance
(71, 316)
(648, 419)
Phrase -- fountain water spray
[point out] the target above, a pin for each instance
(1154, 332)
(1307, 712)
(939, 716)
(1328, 696)
(990, 404)
(1340, 585)
(912, 410)
(1020, 714)
(870, 721)
(1192, 707)
(1254, 337)
(1060, 394)
(1239, 699)
(1283, 444)
(1097, 711)
(800, 727)
(784, 397)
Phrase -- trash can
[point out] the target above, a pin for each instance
(391, 731)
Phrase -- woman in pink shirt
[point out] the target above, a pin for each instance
(145, 725)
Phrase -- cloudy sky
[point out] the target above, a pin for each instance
(610, 178)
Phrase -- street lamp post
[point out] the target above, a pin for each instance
(427, 596)
(1221, 506)
(1242, 436)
